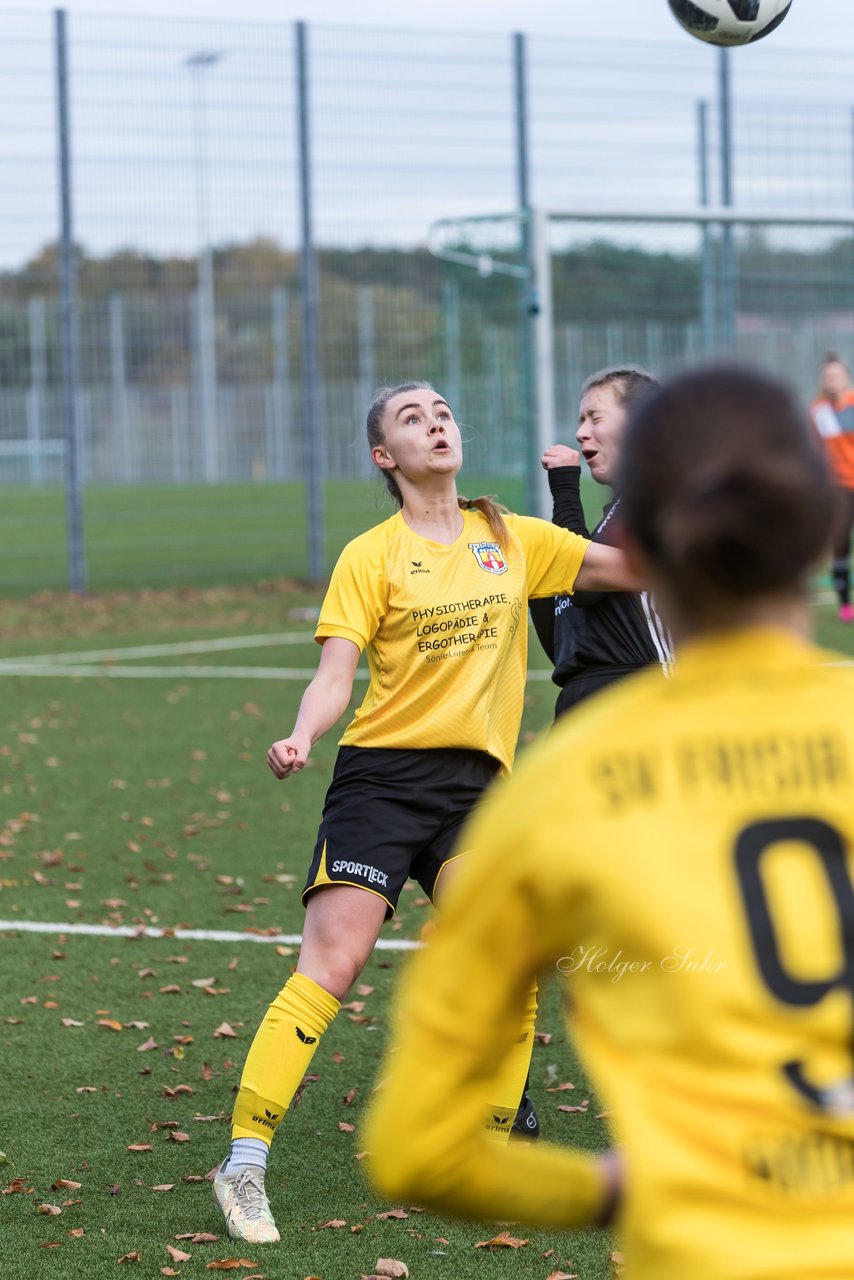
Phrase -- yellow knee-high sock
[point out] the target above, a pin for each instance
(508, 1088)
(279, 1057)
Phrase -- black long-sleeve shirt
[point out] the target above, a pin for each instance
(595, 637)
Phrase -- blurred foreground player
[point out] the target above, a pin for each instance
(697, 894)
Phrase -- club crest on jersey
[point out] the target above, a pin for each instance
(489, 556)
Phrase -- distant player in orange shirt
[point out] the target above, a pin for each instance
(437, 596)
(833, 415)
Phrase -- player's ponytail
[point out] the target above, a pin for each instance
(492, 511)
(724, 487)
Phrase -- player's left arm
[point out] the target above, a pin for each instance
(606, 568)
(459, 1010)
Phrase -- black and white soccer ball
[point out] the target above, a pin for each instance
(730, 22)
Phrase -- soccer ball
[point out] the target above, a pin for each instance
(728, 22)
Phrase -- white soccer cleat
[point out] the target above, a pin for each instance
(243, 1200)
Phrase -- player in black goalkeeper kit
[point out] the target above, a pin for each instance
(596, 637)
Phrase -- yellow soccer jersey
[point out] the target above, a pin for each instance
(683, 853)
(445, 628)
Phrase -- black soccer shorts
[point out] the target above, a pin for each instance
(391, 814)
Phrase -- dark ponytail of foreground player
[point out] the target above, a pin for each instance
(725, 493)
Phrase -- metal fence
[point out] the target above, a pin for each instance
(215, 248)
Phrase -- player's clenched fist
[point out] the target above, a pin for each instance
(288, 756)
(559, 455)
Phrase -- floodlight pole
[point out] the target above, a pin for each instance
(537, 317)
(68, 305)
(728, 312)
(542, 334)
(312, 420)
(199, 64)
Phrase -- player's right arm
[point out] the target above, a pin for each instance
(325, 699)
(564, 472)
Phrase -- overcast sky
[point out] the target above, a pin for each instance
(814, 24)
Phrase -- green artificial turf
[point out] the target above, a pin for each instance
(162, 535)
(131, 802)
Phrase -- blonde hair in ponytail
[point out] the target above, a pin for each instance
(492, 511)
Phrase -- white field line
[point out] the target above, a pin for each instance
(109, 672)
(180, 935)
(223, 644)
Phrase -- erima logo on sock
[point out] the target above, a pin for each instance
(305, 1039)
(498, 1123)
(271, 1116)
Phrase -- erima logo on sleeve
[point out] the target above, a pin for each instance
(302, 1036)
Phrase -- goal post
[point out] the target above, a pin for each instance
(518, 244)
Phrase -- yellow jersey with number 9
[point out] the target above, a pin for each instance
(682, 853)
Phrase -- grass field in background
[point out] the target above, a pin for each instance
(148, 801)
(169, 535)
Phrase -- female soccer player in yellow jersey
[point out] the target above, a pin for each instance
(696, 890)
(438, 596)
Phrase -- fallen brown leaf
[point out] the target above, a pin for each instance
(130, 1257)
(333, 1222)
(391, 1267)
(178, 1089)
(563, 1275)
(76, 1231)
(229, 1264)
(68, 1022)
(346, 1128)
(176, 1136)
(65, 1182)
(150, 1043)
(197, 1237)
(164, 1186)
(139, 1146)
(110, 1023)
(52, 1209)
(223, 1032)
(393, 1213)
(502, 1241)
(177, 1255)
